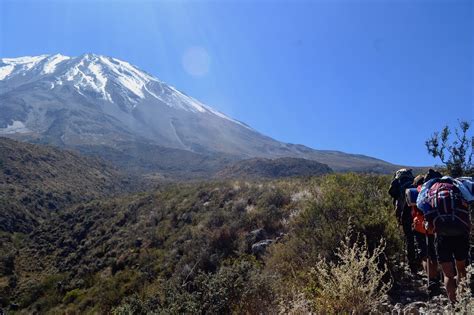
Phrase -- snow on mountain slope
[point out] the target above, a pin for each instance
(100, 75)
(15, 66)
(142, 104)
(52, 62)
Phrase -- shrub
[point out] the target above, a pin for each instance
(132, 306)
(457, 154)
(237, 288)
(295, 303)
(354, 282)
(73, 295)
(43, 293)
(240, 288)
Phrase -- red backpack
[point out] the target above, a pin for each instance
(449, 213)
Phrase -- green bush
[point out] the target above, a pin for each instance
(74, 295)
(43, 294)
(240, 288)
(132, 306)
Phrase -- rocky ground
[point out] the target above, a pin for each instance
(410, 297)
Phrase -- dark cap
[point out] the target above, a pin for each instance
(432, 174)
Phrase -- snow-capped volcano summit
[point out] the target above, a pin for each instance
(105, 78)
(106, 87)
(95, 100)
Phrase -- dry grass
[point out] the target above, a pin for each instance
(354, 283)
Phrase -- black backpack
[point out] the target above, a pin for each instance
(402, 180)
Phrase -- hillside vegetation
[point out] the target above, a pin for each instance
(214, 248)
(38, 181)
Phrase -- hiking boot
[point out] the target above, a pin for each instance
(414, 269)
(418, 276)
(434, 288)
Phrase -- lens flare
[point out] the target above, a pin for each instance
(196, 61)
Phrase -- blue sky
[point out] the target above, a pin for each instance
(369, 77)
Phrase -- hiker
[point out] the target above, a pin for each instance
(402, 180)
(424, 239)
(445, 203)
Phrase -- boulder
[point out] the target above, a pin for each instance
(257, 235)
(259, 248)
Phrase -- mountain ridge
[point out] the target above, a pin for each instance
(94, 100)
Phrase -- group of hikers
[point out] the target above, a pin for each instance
(434, 211)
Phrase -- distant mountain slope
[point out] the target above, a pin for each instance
(99, 101)
(167, 163)
(37, 182)
(277, 168)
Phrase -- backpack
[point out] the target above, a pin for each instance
(411, 196)
(446, 209)
(468, 183)
(417, 214)
(402, 180)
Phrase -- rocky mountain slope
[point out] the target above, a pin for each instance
(101, 104)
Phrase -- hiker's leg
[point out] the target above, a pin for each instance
(421, 250)
(424, 264)
(433, 261)
(444, 251)
(461, 269)
(449, 281)
(433, 269)
(434, 284)
(410, 244)
(461, 254)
